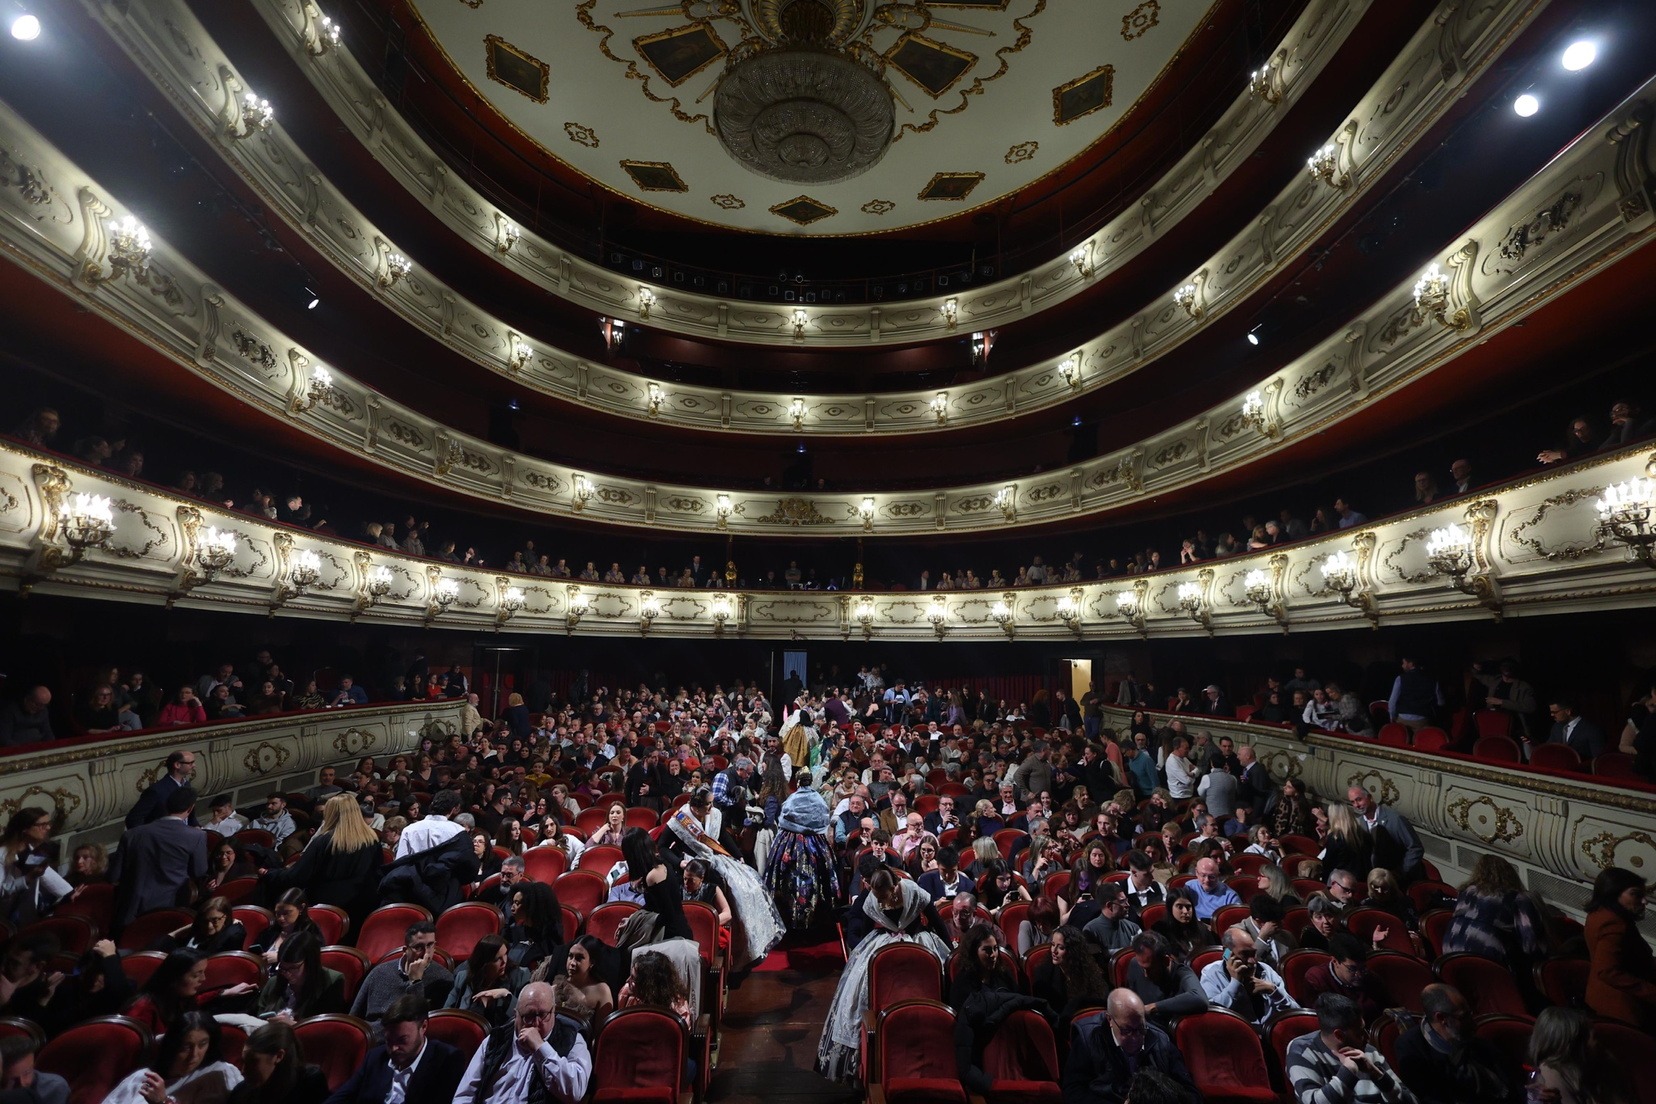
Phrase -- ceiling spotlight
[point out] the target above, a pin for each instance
(1577, 55)
(1526, 105)
(26, 28)
(312, 300)
(1253, 335)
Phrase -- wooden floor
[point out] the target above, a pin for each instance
(772, 1023)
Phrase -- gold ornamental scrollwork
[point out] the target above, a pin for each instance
(795, 511)
(1601, 849)
(64, 802)
(1495, 824)
(344, 744)
(147, 778)
(266, 757)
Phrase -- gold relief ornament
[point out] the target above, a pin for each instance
(1138, 21)
(1601, 849)
(581, 135)
(354, 741)
(266, 757)
(1483, 818)
(64, 802)
(796, 512)
(1023, 151)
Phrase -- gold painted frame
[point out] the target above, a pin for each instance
(907, 37)
(679, 32)
(937, 178)
(628, 166)
(494, 42)
(779, 210)
(1107, 72)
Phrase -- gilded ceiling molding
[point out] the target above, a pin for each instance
(1387, 348)
(353, 582)
(1305, 50)
(1295, 220)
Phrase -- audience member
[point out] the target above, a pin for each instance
(407, 1064)
(1442, 1060)
(1336, 1063)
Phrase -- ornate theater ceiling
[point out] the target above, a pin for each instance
(814, 117)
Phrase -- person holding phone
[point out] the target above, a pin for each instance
(1243, 984)
(1335, 1062)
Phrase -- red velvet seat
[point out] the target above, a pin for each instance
(1430, 739)
(1229, 917)
(1384, 1035)
(234, 968)
(1487, 985)
(591, 819)
(143, 931)
(232, 1043)
(1563, 981)
(1402, 976)
(581, 890)
(600, 860)
(1305, 887)
(914, 1056)
(95, 1056)
(1010, 917)
(638, 1057)
(332, 921)
(1429, 895)
(1055, 883)
(1621, 1039)
(1008, 838)
(642, 818)
(606, 920)
(1493, 722)
(254, 837)
(1152, 915)
(1296, 920)
(74, 934)
(544, 864)
(458, 1028)
(1297, 844)
(239, 891)
(704, 925)
(1497, 749)
(351, 964)
(1615, 764)
(12, 1026)
(460, 927)
(1363, 921)
(1225, 1058)
(899, 972)
(96, 902)
(1249, 865)
(1434, 925)
(1201, 960)
(254, 919)
(1285, 1028)
(1021, 1061)
(1508, 1034)
(336, 1043)
(1394, 735)
(383, 930)
(1555, 757)
(1295, 965)
(139, 965)
(1039, 955)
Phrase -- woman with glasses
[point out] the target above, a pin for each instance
(212, 932)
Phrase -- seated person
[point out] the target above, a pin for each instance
(1164, 982)
(1346, 975)
(1111, 931)
(1243, 984)
(423, 1067)
(417, 972)
(1443, 1062)
(1110, 1050)
(1335, 1063)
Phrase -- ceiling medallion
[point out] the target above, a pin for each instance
(1140, 19)
(1023, 151)
(581, 135)
(805, 107)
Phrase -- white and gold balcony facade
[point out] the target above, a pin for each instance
(169, 44)
(61, 225)
(1549, 544)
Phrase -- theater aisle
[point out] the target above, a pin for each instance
(772, 1024)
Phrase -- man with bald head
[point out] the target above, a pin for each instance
(540, 1055)
(1243, 984)
(1110, 1051)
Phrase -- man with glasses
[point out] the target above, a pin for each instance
(1335, 1062)
(540, 1055)
(944, 817)
(1343, 893)
(1346, 975)
(152, 803)
(1443, 1062)
(1110, 1052)
(1212, 894)
(1243, 984)
(409, 1067)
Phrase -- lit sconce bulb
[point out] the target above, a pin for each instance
(796, 413)
(1184, 298)
(655, 399)
(521, 352)
(256, 114)
(940, 407)
(1126, 601)
(509, 235)
(800, 320)
(321, 376)
(397, 266)
(1080, 258)
(951, 312)
(1070, 369)
(1255, 579)
(447, 589)
(646, 300)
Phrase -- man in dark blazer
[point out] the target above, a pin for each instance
(1115, 1047)
(1253, 784)
(422, 1070)
(1573, 730)
(152, 803)
(157, 860)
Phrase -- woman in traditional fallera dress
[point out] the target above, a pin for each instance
(800, 872)
(760, 925)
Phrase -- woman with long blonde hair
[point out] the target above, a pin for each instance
(341, 864)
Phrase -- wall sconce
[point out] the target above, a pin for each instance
(940, 407)
(1007, 500)
(649, 608)
(865, 511)
(379, 585)
(322, 36)
(1624, 516)
(508, 237)
(1130, 608)
(511, 601)
(255, 115)
(800, 320)
(396, 267)
(320, 389)
(1324, 165)
(1261, 588)
(1186, 298)
(1265, 83)
(865, 617)
(654, 399)
(582, 492)
(1254, 413)
(938, 615)
(1193, 599)
(1431, 300)
(721, 610)
(1450, 551)
(1339, 573)
(306, 572)
(1081, 258)
(646, 300)
(1002, 612)
(88, 522)
(951, 312)
(796, 413)
(214, 553)
(722, 509)
(1070, 610)
(980, 348)
(129, 252)
(579, 606)
(521, 352)
(1070, 369)
(614, 331)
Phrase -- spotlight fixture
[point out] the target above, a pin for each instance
(1526, 105)
(25, 28)
(1579, 55)
(1253, 335)
(312, 300)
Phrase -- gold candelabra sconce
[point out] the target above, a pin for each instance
(1193, 598)
(1432, 300)
(1450, 552)
(1324, 165)
(951, 312)
(577, 607)
(522, 351)
(1624, 517)
(1070, 609)
(1004, 613)
(512, 601)
(722, 610)
(1266, 83)
(319, 389)
(796, 413)
(865, 513)
(801, 319)
(1188, 297)
(1069, 369)
(322, 34)
(653, 400)
(1339, 572)
(397, 268)
(252, 116)
(646, 300)
(940, 407)
(649, 608)
(864, 613)
(129, 252)
(1081, 257)
(507, 237)
(1130, 605)
(581, 493)
(1263, 590)
(938, 614)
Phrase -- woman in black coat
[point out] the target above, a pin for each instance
(341, 866)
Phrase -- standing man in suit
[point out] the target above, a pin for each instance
(159, 859)
(1396, 846)
(1575, 731)
(409, 1067)
(1253, 784)
(152, 803)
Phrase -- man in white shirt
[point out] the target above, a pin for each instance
(528, 1054)
(1181, 776)
(224, 819)
(436, 829)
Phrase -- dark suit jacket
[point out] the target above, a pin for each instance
(152, 803)
(1254, 787)
(434, 1082)
(1097, 1072)
(156, 861)
(1587, 739)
